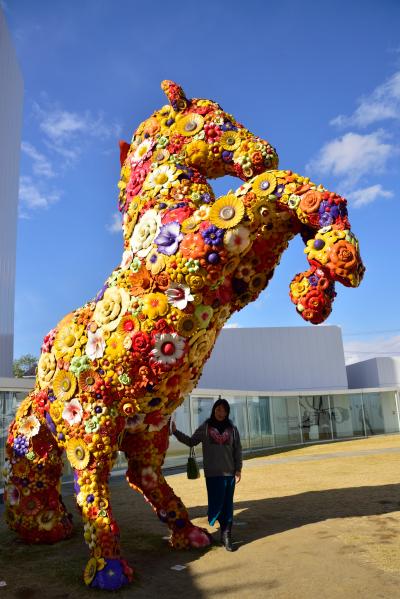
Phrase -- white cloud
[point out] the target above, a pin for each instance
(65, 130)
(356, 351)
(353, 156)
(41, 165)
(33, 198)
(367, 195)
(382, 104)
(116, 224)
(231, 325)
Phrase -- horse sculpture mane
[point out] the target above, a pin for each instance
(111, 372)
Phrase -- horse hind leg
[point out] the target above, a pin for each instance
(34, 507)
(145, 452)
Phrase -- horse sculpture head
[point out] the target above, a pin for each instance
(165, 171)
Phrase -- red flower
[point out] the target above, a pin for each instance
(177, 215)
(141, 342)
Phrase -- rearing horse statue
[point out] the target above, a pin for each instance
(112, 371)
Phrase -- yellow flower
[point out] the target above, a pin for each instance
(46, 368)
(299, 288)
(90, 571)
(264, 184)
(227, 212)
(115, 347)
(186, 325)
(154, 305)
(56, 410)
(111, 308)
(69, 341)
(46, 519)
(64, 385)
(197, 152)
(230, 140)
(190, 124)
(78, 453)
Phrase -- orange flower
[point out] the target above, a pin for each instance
(310, 201)
(342, 258)
(192, 246)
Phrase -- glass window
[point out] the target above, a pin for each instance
(286, 423)
(315, 417)
(341, 417)
(373, 414)
(239, 417)
(356, 414)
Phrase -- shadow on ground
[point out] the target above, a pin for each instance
(55, 571)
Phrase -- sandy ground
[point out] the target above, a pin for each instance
(321, 521)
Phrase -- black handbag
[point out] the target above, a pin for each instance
(192, 467)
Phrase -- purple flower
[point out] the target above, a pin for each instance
(206, 198)
(325, 219)
(313, 280)
(227, 126)
(227, 156)
(213, 236)
(168, 239)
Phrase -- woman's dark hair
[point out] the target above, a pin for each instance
(220, 402)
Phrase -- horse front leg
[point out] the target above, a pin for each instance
(145, 452)
(105, 568)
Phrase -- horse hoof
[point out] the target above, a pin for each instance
(107, 574)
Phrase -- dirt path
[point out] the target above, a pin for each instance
(320, 521)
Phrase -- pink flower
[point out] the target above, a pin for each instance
(12, 495)
(72, 412)
(96, 344)
(48, 341)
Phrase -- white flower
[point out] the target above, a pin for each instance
(168, 348)
(144, 233)
(72, 412)
(161, 178)
(237, 240)
(202, 213)
(29, 426)
(179, 295)
(141, 151)
(127, 258)
(96, 344)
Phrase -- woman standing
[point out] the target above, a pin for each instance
(222, 462)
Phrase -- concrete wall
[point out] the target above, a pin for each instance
(11, 94)
(277, 359)
(375, 372)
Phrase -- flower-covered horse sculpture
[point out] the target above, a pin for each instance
(112, 372)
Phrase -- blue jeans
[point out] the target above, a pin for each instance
(220, 490)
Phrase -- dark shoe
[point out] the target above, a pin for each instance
(226, 538)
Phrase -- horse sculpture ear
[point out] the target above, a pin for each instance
(123, 150)
(175, 94)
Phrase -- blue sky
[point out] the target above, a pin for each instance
(320, 81)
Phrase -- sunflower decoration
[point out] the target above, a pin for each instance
(90, 571)
(64, 385)
(230, 140)
(227, 212)
(190, 124)
(78, 453)
(264, 184)
(129, 324)
(187, 325)
(88, 380)
(69, 341)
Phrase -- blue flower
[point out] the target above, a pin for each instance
(212, 235)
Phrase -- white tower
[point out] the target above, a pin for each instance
(11, 96)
